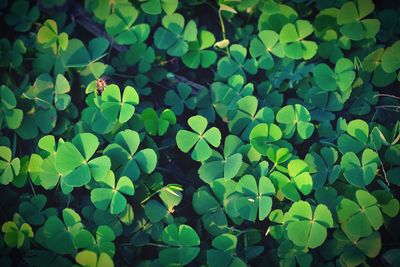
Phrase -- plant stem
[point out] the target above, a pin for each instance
(223, 29)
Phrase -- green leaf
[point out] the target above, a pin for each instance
(292, 37)
(183, 242)
(295, 118)
(306, 229)
(262, 135)
(114, 108)
(362, 173)
(356, 138)
(201, 139)
(254, 199)
(361, 218)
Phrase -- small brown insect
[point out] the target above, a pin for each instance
(101, 83)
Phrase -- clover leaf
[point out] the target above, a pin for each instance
(120, 25)
(113, 107)
(12, 55)
(358, 173)
(89, 258)
(183, 244)
(225, 96)
(21, 17)
(126, 160)
(300, 180)
(356, 137)
(341, 78)
(263, 136)
(360, 218)
(223, 253)
(110, 196)
(155, 125)
(174, 35)
(198, 55)
(74, 162)
(49, 176)
(16, 232)
(155, 211)
(351, 19)
(200, 139)
(306, 228)
(180, 99)
(32, 210)
(245, 117)
(9, 167)
(155, 7)
(48, 37)
(58, 235)
(102, 244)
(11, 115)
(355, 251)
(171, 196)
(263, 47)
(295, 118)
(226, 166)
(323, 167)
(236, 63)
(140, 54)
(390, 58)
(292, 37)
(211, 210)
(254, 199)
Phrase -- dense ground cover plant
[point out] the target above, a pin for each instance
(200, 133)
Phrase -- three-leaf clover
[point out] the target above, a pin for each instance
(323, 167)
(174, 35)
(155, 7)
(264, 46)
(226, 166)
(74, 162)
(300, 180)
(263, 136)
(58, 235)
(358, 173)
(11, 115)
(198, 55)
(120, 25)
(9, 167)
(180, 99)
(89, 258)
(351, 19)
(254, 199)
(21, 16)
(103, 243)
(113, 107)
(155, 125)
(223, 253)
(245, 117)
(48, 37)
(356, 137)
(225, 96)
(360, 218)
(183, 242)
(236, 63)
(126, 159)
(200, 139)
(111, 195)
(16, 232)
(306, 228)
(295, 118)
(292, 37)
(341, 78)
